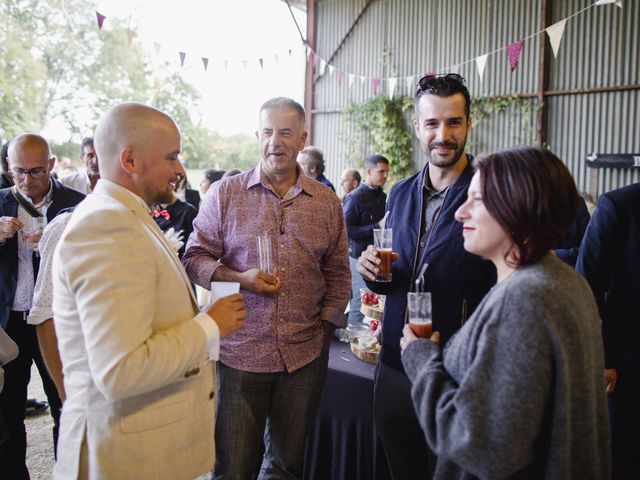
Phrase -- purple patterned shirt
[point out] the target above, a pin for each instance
(309, 249)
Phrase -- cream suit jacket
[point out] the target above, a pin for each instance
(139, 382)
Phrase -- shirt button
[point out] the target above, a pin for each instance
(282, 245)
(284, 269)
(282, 294)
(422, 244)
(281, 319)
(211, 395)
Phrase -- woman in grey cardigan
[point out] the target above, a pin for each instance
(519, 391)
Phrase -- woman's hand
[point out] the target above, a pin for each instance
(409, 336)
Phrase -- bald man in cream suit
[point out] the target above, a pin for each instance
(135, 350)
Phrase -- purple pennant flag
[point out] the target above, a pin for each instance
(513, 51)
(340, 78)
(376, 85)
(183, 55)
(100, 20)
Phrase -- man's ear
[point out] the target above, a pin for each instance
(303, 139)
(128, 161)
(52, 162)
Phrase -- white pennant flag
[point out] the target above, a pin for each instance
(391, 86)
(455, 69)
(323, 66)
(362, 78)
(481, 62)
(607, 2)
(352, 77)
(555, 32)
(330, 68)
(410, 83)
(308, 52)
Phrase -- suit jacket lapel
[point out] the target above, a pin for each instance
(106, 188)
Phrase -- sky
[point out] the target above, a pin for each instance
(233, 35)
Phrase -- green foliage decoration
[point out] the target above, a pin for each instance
(383, 121)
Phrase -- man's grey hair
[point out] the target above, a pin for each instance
(315, 157)
(284, 102)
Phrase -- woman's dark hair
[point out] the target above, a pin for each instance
(532, 195)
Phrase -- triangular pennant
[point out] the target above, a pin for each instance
(352, 77)
(555, 32)
(276, 57)
(130, 36)
(331, 68)
(290, 52)
(244, 64)
(376, 85)
(315, 58)
(101, 19)
(261, 62)
(183, 55)
(308, 51)
(340, 78)
(607, 2)
(411, 83)
(226, 65)
(513, 51)
(323, 66)
(205, 63)
(362, 79)
(391, 86)
(481, 62)
(157, 47)
(454, 69)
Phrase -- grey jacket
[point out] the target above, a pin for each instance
(519, 391)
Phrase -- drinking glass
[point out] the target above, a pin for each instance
(32, 230)
(264, 254)
(419, 309)
(382, 238)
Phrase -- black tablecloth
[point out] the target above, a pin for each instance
(343, 444)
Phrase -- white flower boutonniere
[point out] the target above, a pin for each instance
(174, 238)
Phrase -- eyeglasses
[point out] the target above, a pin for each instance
(38, 172)
(430, 83)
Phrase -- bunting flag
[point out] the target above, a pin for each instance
(315, 58)
(101, 19)
(130, 36)
(555, 33)
(205, 63)
(411, 83)
(618, 3)
(454, 69)
(331, 68)
(352, 78)
(362, 78)
(513, 51)
(391, 86)
(276, 58)
(323, 66)
(157, 47)
(244, 64)
(376, 86)
(340, 78)
(183, 55)
(226, 65)
(481, 62)
(261, 62)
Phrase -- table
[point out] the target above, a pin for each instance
(343, 444)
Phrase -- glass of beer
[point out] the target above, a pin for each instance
(264, 254)
(382, 242)
(419, 309)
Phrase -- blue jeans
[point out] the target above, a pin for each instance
(355, 316)
(277, 408)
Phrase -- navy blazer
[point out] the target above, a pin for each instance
(62, 197)
(609, 259)
(457, 279)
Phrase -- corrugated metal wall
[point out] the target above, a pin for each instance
(599, 49)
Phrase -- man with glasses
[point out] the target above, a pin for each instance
(429, 246)
(34, 195)
(271, 373)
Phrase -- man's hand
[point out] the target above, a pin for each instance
(327, 331)
(8, 227)
(409, 337)
(228, 313)
(259, 281)
(610, 379)
(367, 264)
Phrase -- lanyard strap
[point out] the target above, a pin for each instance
(24, 203)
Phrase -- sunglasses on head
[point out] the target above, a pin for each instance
(431, 82)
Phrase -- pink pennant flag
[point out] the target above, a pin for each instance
(205, 63)
(430, 74)
(101, 19)
(183, 55)
(315, 59)
(157, 47)
(513, 51)
(376, 85)
(340, 77)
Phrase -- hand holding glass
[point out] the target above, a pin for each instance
(419, 309)
(264, 254)
(32, 231)
(382, 241)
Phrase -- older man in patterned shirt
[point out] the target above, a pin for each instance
(272, 372)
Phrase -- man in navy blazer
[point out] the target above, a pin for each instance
(609, 259)
(30, 163)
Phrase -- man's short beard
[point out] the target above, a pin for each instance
(459, 151)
